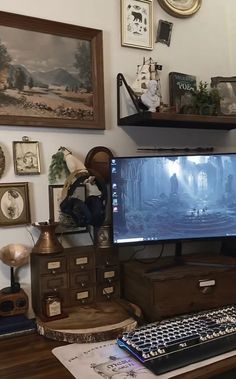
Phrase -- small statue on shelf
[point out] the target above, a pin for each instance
(151, 98)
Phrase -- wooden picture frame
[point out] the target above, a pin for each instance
(226, 87)
(137, 23)
(51, 74)
(26, 157)
(14, 204)
(55, 214)
(180, 8)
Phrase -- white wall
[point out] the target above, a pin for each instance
(202, 45)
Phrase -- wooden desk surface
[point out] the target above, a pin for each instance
(30, 357)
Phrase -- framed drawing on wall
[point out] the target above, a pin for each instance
(14, 204)
(65, 224)
(137, 23)
(51, 74)
(26, 157)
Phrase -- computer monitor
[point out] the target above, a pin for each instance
(173, 198)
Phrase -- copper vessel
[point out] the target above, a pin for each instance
(47, 242)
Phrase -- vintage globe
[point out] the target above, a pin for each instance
(15, 255)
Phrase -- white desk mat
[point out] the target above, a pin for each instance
(109, 361)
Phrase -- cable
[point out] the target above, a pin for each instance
(31, 235)
(148, 261)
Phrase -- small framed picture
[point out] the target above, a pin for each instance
(226, 87)
(164, 32)
(137, 23)
(14, 204)
(65, 223)
(26, 157)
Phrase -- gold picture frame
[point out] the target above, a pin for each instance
(26, 157)
(51, 74)
(180, 8)
(137, 23)
(14, 204)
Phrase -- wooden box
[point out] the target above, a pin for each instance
(79, 275)
(207, 282)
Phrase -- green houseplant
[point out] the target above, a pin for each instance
(206, 100)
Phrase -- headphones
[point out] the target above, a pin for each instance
(92, 211)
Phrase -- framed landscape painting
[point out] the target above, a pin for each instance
(51, 74)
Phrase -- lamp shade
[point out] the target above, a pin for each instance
(14, 255)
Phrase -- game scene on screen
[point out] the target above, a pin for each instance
(173, 197)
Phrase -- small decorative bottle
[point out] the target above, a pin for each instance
(52, 305)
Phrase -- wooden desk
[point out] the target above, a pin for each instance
(30, 357)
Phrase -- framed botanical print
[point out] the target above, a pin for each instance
(137, 23)
(14, 204)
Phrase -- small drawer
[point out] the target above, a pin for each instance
(53, 282)
(52, 265)
(106, 257)
(82, 297)
(82, 280)
(81, 261)
(107, 292)
(108, 274)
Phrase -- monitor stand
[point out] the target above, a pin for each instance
(179, 261)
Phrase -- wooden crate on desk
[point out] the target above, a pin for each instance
(166, 292)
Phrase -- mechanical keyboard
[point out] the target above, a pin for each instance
(179, 341)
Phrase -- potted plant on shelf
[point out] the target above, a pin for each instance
(204, 101)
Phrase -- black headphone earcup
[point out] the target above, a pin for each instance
(78, 210)
(97, 209)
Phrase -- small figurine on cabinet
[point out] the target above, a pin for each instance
(151, 98)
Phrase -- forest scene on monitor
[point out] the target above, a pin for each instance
(177, 197)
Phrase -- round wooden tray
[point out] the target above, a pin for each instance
(94, 323)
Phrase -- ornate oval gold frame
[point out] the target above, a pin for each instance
(178, 9)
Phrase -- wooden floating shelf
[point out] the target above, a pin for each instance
(175, 120)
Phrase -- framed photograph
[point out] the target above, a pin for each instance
(180, 8)
(14, 204)
(226, 87)
(164, 31)
(66, 225)
(51, 74)
(137, 23)
(26, 157)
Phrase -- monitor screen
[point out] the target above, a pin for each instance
(173, 198)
